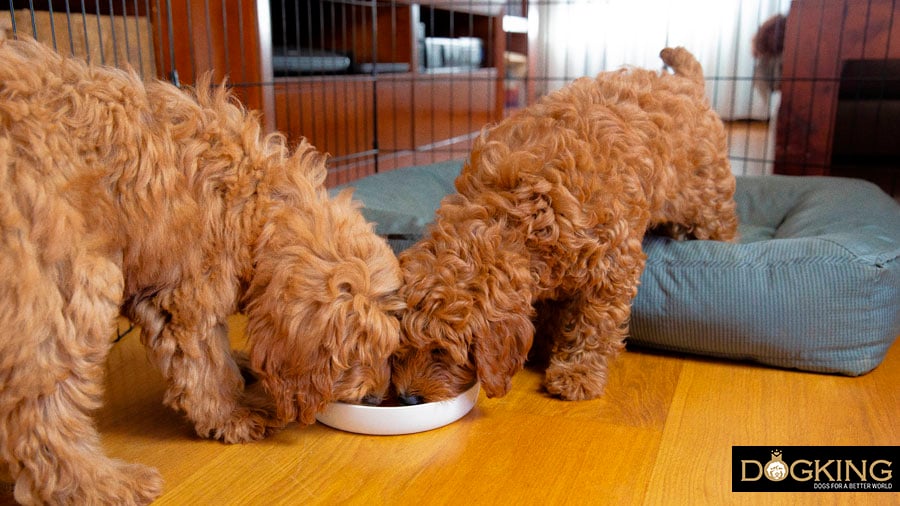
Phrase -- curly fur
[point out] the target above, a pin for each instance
(544, 235)
(123, 196)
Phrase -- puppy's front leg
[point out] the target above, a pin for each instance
(591, 329)
(203, 379)
(589, 337)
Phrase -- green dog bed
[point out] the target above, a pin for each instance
(812, 284)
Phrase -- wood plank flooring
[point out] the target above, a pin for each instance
(661, 435)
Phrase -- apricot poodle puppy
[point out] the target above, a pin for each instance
(544, 235)
(171, 208)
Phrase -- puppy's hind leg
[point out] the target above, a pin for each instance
(52, 363)
(718, 219)
(708, 210)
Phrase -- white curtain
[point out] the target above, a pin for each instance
(583, 37)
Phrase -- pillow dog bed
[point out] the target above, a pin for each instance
(812, 284)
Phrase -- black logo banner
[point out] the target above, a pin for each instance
(814, 469)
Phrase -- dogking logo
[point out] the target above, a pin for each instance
(814, 469)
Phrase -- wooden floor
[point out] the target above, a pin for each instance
(751, 147)
(661, 435)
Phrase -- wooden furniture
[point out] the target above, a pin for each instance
(376, 119)
(661, 434)
(820, 38)
(229, 39)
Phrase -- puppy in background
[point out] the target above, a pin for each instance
(767, 47)
(545, 232)
(171, 208)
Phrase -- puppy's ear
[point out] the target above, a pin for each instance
(502, 330)
(501, 353)
(359, 326)
(291, 368)
(283, 325)
(315, 327)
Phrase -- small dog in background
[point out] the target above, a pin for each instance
(545, 232)
(123, 196)
(767, 47)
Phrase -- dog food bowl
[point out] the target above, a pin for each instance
(395, 420)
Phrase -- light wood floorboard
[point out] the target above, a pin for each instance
(662, 434)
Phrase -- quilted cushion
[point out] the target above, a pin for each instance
(813, 283)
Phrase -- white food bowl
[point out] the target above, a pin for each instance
(394, 420)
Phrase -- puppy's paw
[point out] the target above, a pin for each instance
(118, 483)
(144, 484)
(574, 382)
(247, 424)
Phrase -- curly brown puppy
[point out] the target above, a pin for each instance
(545, 231)
(116, 195)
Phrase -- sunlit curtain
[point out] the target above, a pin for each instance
(583, 37)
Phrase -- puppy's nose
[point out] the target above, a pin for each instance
(371, 400)
(410, 400)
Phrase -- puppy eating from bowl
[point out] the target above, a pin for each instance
(540, 248)
(124, 197)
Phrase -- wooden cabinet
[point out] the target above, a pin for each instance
(386, 108)
(229, 38)
(824, 105)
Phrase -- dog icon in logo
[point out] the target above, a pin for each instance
(776, 469)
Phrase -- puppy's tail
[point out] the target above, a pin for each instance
(683, 63)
